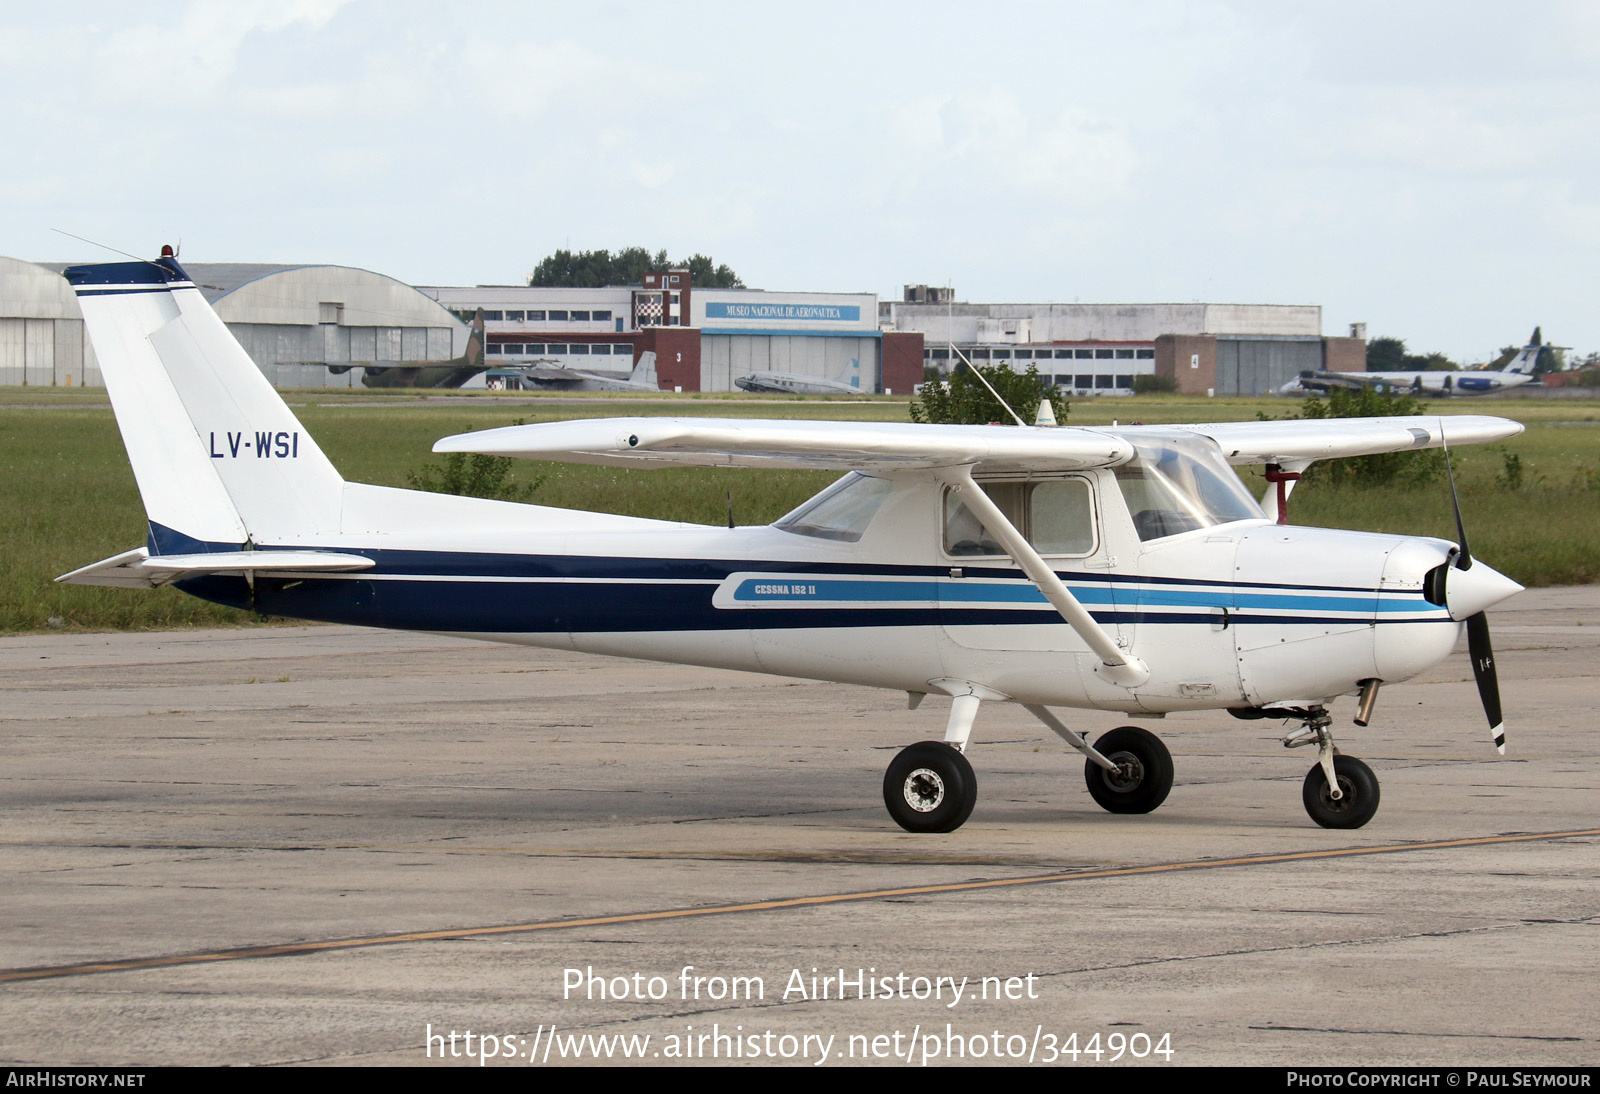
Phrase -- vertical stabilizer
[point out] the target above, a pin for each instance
(218, 455)
(1525, 362)
(645, 371)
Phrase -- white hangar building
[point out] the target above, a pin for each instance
(304, 326)
(1223, 349)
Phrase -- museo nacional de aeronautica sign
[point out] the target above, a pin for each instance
(834, 313)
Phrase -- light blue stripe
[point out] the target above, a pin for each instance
(835, 590)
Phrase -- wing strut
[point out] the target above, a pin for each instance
(1117, 665)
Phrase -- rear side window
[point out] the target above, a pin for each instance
(1056, 516)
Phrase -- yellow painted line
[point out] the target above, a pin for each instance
(295, 948)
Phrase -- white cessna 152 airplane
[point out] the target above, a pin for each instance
(1113, 569)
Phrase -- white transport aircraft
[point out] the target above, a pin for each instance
(1111, 569)
(1436, 382)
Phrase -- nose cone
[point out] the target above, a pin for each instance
(1470, 591)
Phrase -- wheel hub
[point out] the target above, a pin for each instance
(1347, 799)
(924, 790)
(1129, 773)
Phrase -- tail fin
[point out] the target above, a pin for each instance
(1525, 362)
(219, 457)
(645, 371)
(473, 356)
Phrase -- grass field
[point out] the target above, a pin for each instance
(69, 495)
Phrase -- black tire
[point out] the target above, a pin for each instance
(1144, 777)
(1358, 785)
(930, 787)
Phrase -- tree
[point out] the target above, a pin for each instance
(963, 400)
(1386, 355)
(1389, 355)
(597, 269)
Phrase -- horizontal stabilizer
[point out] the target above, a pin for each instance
(139, 569)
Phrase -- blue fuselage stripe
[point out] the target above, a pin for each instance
(502, 593)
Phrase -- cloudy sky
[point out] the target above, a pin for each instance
(1427, 168)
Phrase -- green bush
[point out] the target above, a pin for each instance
(964, 400)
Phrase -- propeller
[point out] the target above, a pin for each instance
(1467, 597)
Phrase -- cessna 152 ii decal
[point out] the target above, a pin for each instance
(1114, 569)
(1471, 381)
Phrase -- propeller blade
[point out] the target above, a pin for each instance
(1482, 652)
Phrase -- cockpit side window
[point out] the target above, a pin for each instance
(1056, 516)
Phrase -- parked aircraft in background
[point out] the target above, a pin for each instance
(1425, 382)
(790, 383)
(1111, 569)
(428, 374)
(558, 377)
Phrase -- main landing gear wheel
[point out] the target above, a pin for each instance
(1143, 778)
(930, 787)
(1358, 787)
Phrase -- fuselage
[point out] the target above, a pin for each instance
(1238, 613)
(1438, 383)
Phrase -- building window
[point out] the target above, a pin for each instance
(1082, 381)
(557, 316)
(536, 317)
(578, 348)
(601, 316)
(1144, 354)
(1083, 354)
(1102, 355)
(580, 317)
(513, 317)
(980, 355)
(533, 348)
(1104, 381)
(600, 347)
(1024, 354)
(494, 348)
(493, 317)
(511, 347)
(939, 354)
(555, 348)
(622, 347)
(1124, 381)
(1002, 354)
(1124, 354)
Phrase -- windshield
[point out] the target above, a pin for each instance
(1180, 482)
(841, 512)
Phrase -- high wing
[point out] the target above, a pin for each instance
(887, 446)
(1294, 440)
(748, 442)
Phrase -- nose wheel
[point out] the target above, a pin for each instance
(930, 787)
(1358, 794)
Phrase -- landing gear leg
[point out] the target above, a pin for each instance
(1127, 770)
(1340, 791)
